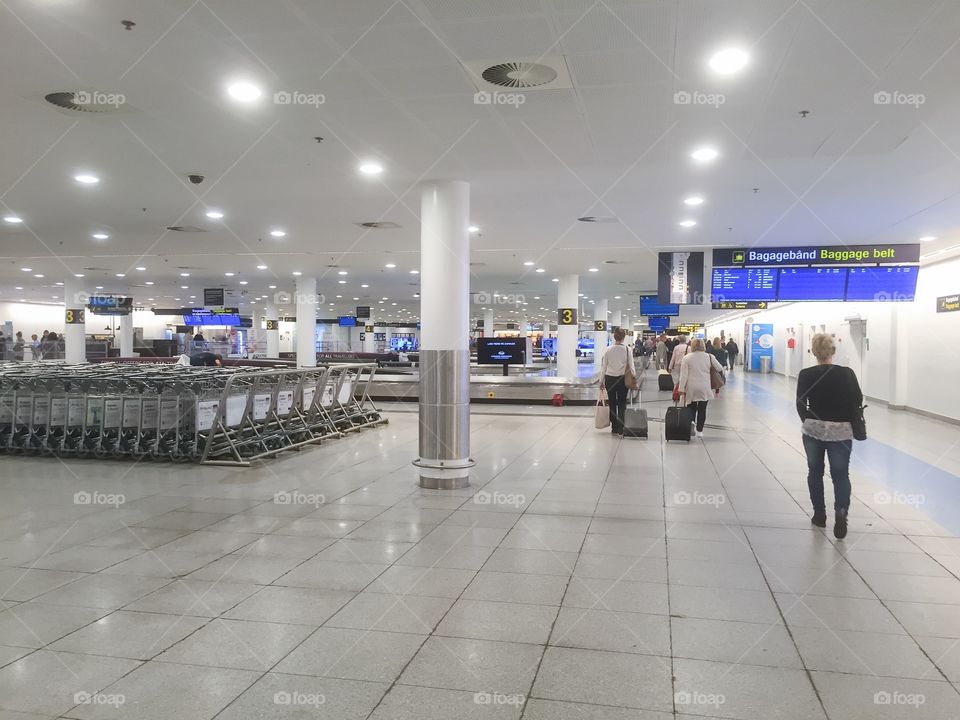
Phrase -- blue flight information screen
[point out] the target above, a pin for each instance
(822, 283)
(737, 284)
(649, 305)
(886, 284)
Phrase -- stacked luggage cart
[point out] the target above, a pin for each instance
(227, 416)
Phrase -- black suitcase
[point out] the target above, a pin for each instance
(677, 423)
(635, 423)
(665, 381)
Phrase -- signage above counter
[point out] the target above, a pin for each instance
(888, 254)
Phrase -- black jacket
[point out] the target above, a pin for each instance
(828, 392)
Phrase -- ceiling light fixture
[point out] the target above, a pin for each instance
(390, 266)
(149, 282)
(26, 269)
(78, 275)
(38, 275)
(704, 154)
(13, 219)
(214, 214)
(184, 274)
(86, 179)
(414, 272)
(278, 233)
(541, 270)
(687, 223)
(529, 263)
(244, 91)
(140, 268)
(593, 269)
(261, 267)
(928, 238)
(729, 61)
(297, 273)
(228, 274)
(100, 236)
(693, 200)
(371, 168)
(342, 272)
(473, 229)
(121, 274)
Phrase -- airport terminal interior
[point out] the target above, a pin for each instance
(507, 359)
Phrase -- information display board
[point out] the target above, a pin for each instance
(347, 321)
(110, 305)
(828, 273)
(658, 324)
(649, 305)
(501, 351)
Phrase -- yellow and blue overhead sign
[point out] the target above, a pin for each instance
(908, 253)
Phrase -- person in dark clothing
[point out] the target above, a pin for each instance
(732, 351)
(206, 359)
(827, 397)
(720, 352)
(18, 347)
(50, 347)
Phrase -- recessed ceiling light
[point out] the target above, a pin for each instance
(184, 287)
(214, 214)
(541, 270)
(87, 179)
(371, 168)
(555, 280)
(244, 91)
(13, 219)
(140, 268)
(386, 298)
(342, 282)
(192, 297)
(79, 275)
(59, 283)
(729, 61)
(149, 282)
(272, 287)
(18, 288)
(121, 274)
(99, 287)
(704, 154)
(693, 200)
(687, 223)
(296, 272)
(390, 265)
(342, 272)
(342, 296)
(243, 282)
(100, 236)
(26, 269)
(228, 274)
(616, 297)
(38, 275)
(594, 269)
(928, 238)
(278, 233)
(529, 263)
(184, 274)
(261, 267)
(414, 272)
(473, 229)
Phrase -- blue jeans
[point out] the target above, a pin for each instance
(838, 453)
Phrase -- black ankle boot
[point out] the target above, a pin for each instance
(840, 525)
(819, 518)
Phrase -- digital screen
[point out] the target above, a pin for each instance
(744, 284)
(501, 351)
(658, 324)
(347, 321)
(649, 305)
(812, 284)
(197, 320)
(548, 347)
(889, 284)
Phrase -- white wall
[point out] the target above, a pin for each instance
(34, 318)
(914, 338)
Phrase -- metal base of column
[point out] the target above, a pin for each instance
(444, 475)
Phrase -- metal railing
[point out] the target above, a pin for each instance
(165, 411)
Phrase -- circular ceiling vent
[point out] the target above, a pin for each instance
(93, 102)
(519, 74)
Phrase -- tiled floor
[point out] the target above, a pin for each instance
(593, 579)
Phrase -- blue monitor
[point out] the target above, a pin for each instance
(548, 347)
(898, 284)
(741, 284)
(658, 324)
(649, 305)
(215, 319)
(818, 283)
(347, 321)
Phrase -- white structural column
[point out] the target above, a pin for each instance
(488, 323)
(616, 320)
(899, 356)
(444, 460)
(273, 335)
(524, 328)
(388, 333)
(599, 336)
(126, 333)
(74, 331)
(369, 344)
(306, 322)
(567, 297)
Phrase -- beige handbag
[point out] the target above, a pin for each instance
(601, 416)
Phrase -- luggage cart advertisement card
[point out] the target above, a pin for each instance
(284, 402)
(236, 405)
(206, 413)
(261, 406)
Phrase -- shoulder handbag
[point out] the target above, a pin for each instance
(629, 377)
(717, 380)
(601, 416)
(857, 422)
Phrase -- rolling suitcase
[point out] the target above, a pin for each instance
(635, 422)
(665, 380)
(677, 423)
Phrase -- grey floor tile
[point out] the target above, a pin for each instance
(862, 653)
(744, 691)
(625, 632)
(731, 576)
(318, 573)
(734, 642)
(412, 580)
(622, 567)
(838, 613)
(180, 520)
(722, 604)
(9, 654)
(137, 538)
(625, 595)
(928, 618)
(556, 710)
(393, 613)
(21, 584)
(945, 653)
(134, 635)
(467, 535)
(239, 567)
(459, 557)
(103, 591)
(293, 697)
(516, 588)
(84, 558)
(543, 540)
(602, 544)
(595, 677)
(363, 551)
(194, 597)
(535, 562)
(237, 644)
(303, 606)
(858, 697)
(204, 541)
(476, 665)
(159, 691)
(420, 703)
(352, 654)
(287, 546)
(840, 581)
(485, 620)
(913, 588)
(34, 624)
(47, 683)
(163, 563)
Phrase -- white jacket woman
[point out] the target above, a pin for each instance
(695, 387)
(679, 352)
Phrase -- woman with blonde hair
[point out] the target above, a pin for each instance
(828, 395)
(695, 387)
